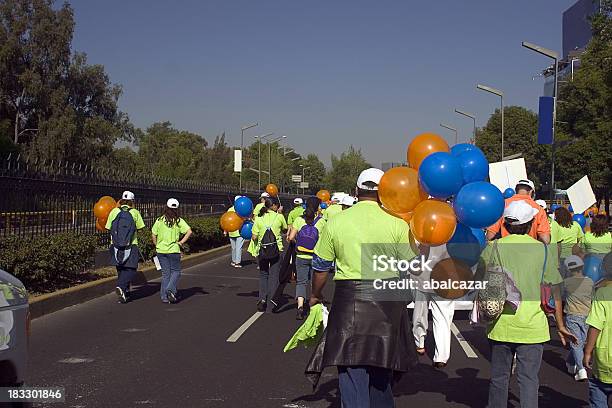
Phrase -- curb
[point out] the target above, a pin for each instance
(52, 302)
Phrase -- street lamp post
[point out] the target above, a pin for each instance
(259, 156)
(453, 129)
(242, 129)
(501, 96)
(469, 115)
(270, 156)
(555, 57)
(303, 169)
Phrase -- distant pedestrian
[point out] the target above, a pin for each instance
(347, 202)
(598, 241)
(123, 223)
(256, 211)
(236, 242)
(335, 207)
(297, 211)
(565, 233)
(166, 234)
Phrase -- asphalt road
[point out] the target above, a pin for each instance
(149, 354)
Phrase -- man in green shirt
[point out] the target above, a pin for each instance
(335, 207)
(297, 211)
(126, 272)
(262, 199)
(367, 338)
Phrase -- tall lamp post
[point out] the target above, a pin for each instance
(242, 129)
(270, 156)
(453, 129)
(555, 57)
(501, 96)
(469, 115)
(259, 156)
(303, 169)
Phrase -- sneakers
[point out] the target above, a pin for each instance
(171, 296)
(571, 369)
(439, 364)
(300, 314)
(581, 375)
(121, 295)
(261, 306)
(237, 265)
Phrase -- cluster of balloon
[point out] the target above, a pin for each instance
(580, 219)
(509, 192)
(272, 190)
(323, 195)
(102, 209)
(399, 191)
(454, 270)
(233, 221)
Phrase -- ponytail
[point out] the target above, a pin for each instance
(312, 206)
(266, 207)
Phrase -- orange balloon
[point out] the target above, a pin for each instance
(230, 221)
(422, 146)
(108, 199)
(407, 216)
(103, 208)
(433, 222)
(454, 270)
(101, 224)
(272, 190)
(324, 195)
(399, 190)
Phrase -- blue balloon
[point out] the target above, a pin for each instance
(457, 149)
(323, 206)
(479, 204)
(474, 165)
(580, 219)
(509, 192)
(554, 207)
(570, 209)
(479, 233)
(464, 245)
(243, 206)
(440, 175)
(592, 267)
(246, 231)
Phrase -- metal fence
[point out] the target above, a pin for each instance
(44, 198)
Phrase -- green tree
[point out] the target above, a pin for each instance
(345, 170)
(218, 165)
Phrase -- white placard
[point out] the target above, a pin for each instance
(296, 178)
(507, 173)
(581, 195)
(156, 262)
(304, 184)
(238, 160)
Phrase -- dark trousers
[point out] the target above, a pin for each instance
(599, 393)
(268, 280)
(365, 387)
(528, 360)
(125, 276)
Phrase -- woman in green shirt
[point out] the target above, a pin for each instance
(166, 234)
(566, 233)
(598, 241)
(268, 217)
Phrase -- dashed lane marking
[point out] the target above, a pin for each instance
(463, 342)
(240, 331)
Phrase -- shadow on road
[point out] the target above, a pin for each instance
(184, 294)
(144, 291)
(325, 392)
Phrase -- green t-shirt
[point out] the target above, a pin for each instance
(299, 223)
(597, 245)
(295, 213)
(363, 226)
(273, 220)
(524, 257)
(256, 210)
(168, 237)
(600, 317)
(233, 234)
(135, 214)
(566, 236)
(331, 211)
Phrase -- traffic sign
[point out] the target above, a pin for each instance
(304, 184)
(296, 178)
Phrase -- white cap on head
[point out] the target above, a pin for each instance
(519, 212)
(526, 182)
(348, 200)
(541, 203)
(172, 203)
(337, 197)
(298, 200)
(264, 194)
(573, 261)
(127, 195)
(237, 197)
(369, 179)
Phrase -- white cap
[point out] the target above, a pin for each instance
(370, 178)
(337, 197)
(127, 195)
(348, 200)
(264, 194)
(573, 261)
(237, 197)
(298, 200)
(519, 212)
(541, 203)
(527, 182)
(172, 203)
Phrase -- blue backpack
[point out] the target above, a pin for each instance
(307, 237)
(122, 232)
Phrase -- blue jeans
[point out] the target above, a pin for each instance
(236, 243)
(171, 270)
(576, 324)
(303, 268)
(268, 281)
(599, 393)
(124, 277)
(365, 387)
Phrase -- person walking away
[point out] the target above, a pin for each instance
(347, 202)
(334, 208)
(297, 211)
(166, 235)
(578, 292)
(256, 211)
(305, 231)
(123, 223)
(598, 349)
(524, 331)
(236, 242)
(598, 241)
(540, 227)
(566, 233)
(367, 338)
(268, 245)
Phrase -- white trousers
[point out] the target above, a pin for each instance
(442, 312)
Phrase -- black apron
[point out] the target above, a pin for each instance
(364, 330)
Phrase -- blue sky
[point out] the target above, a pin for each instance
(325, 73)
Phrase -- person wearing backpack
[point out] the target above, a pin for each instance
(166, 235)
(305, 232)
(123, 223)
(268, 245)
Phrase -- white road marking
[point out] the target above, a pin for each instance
(76, 360)
(219, 276)
(463, 342)
(240, 331)
(133, 330)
